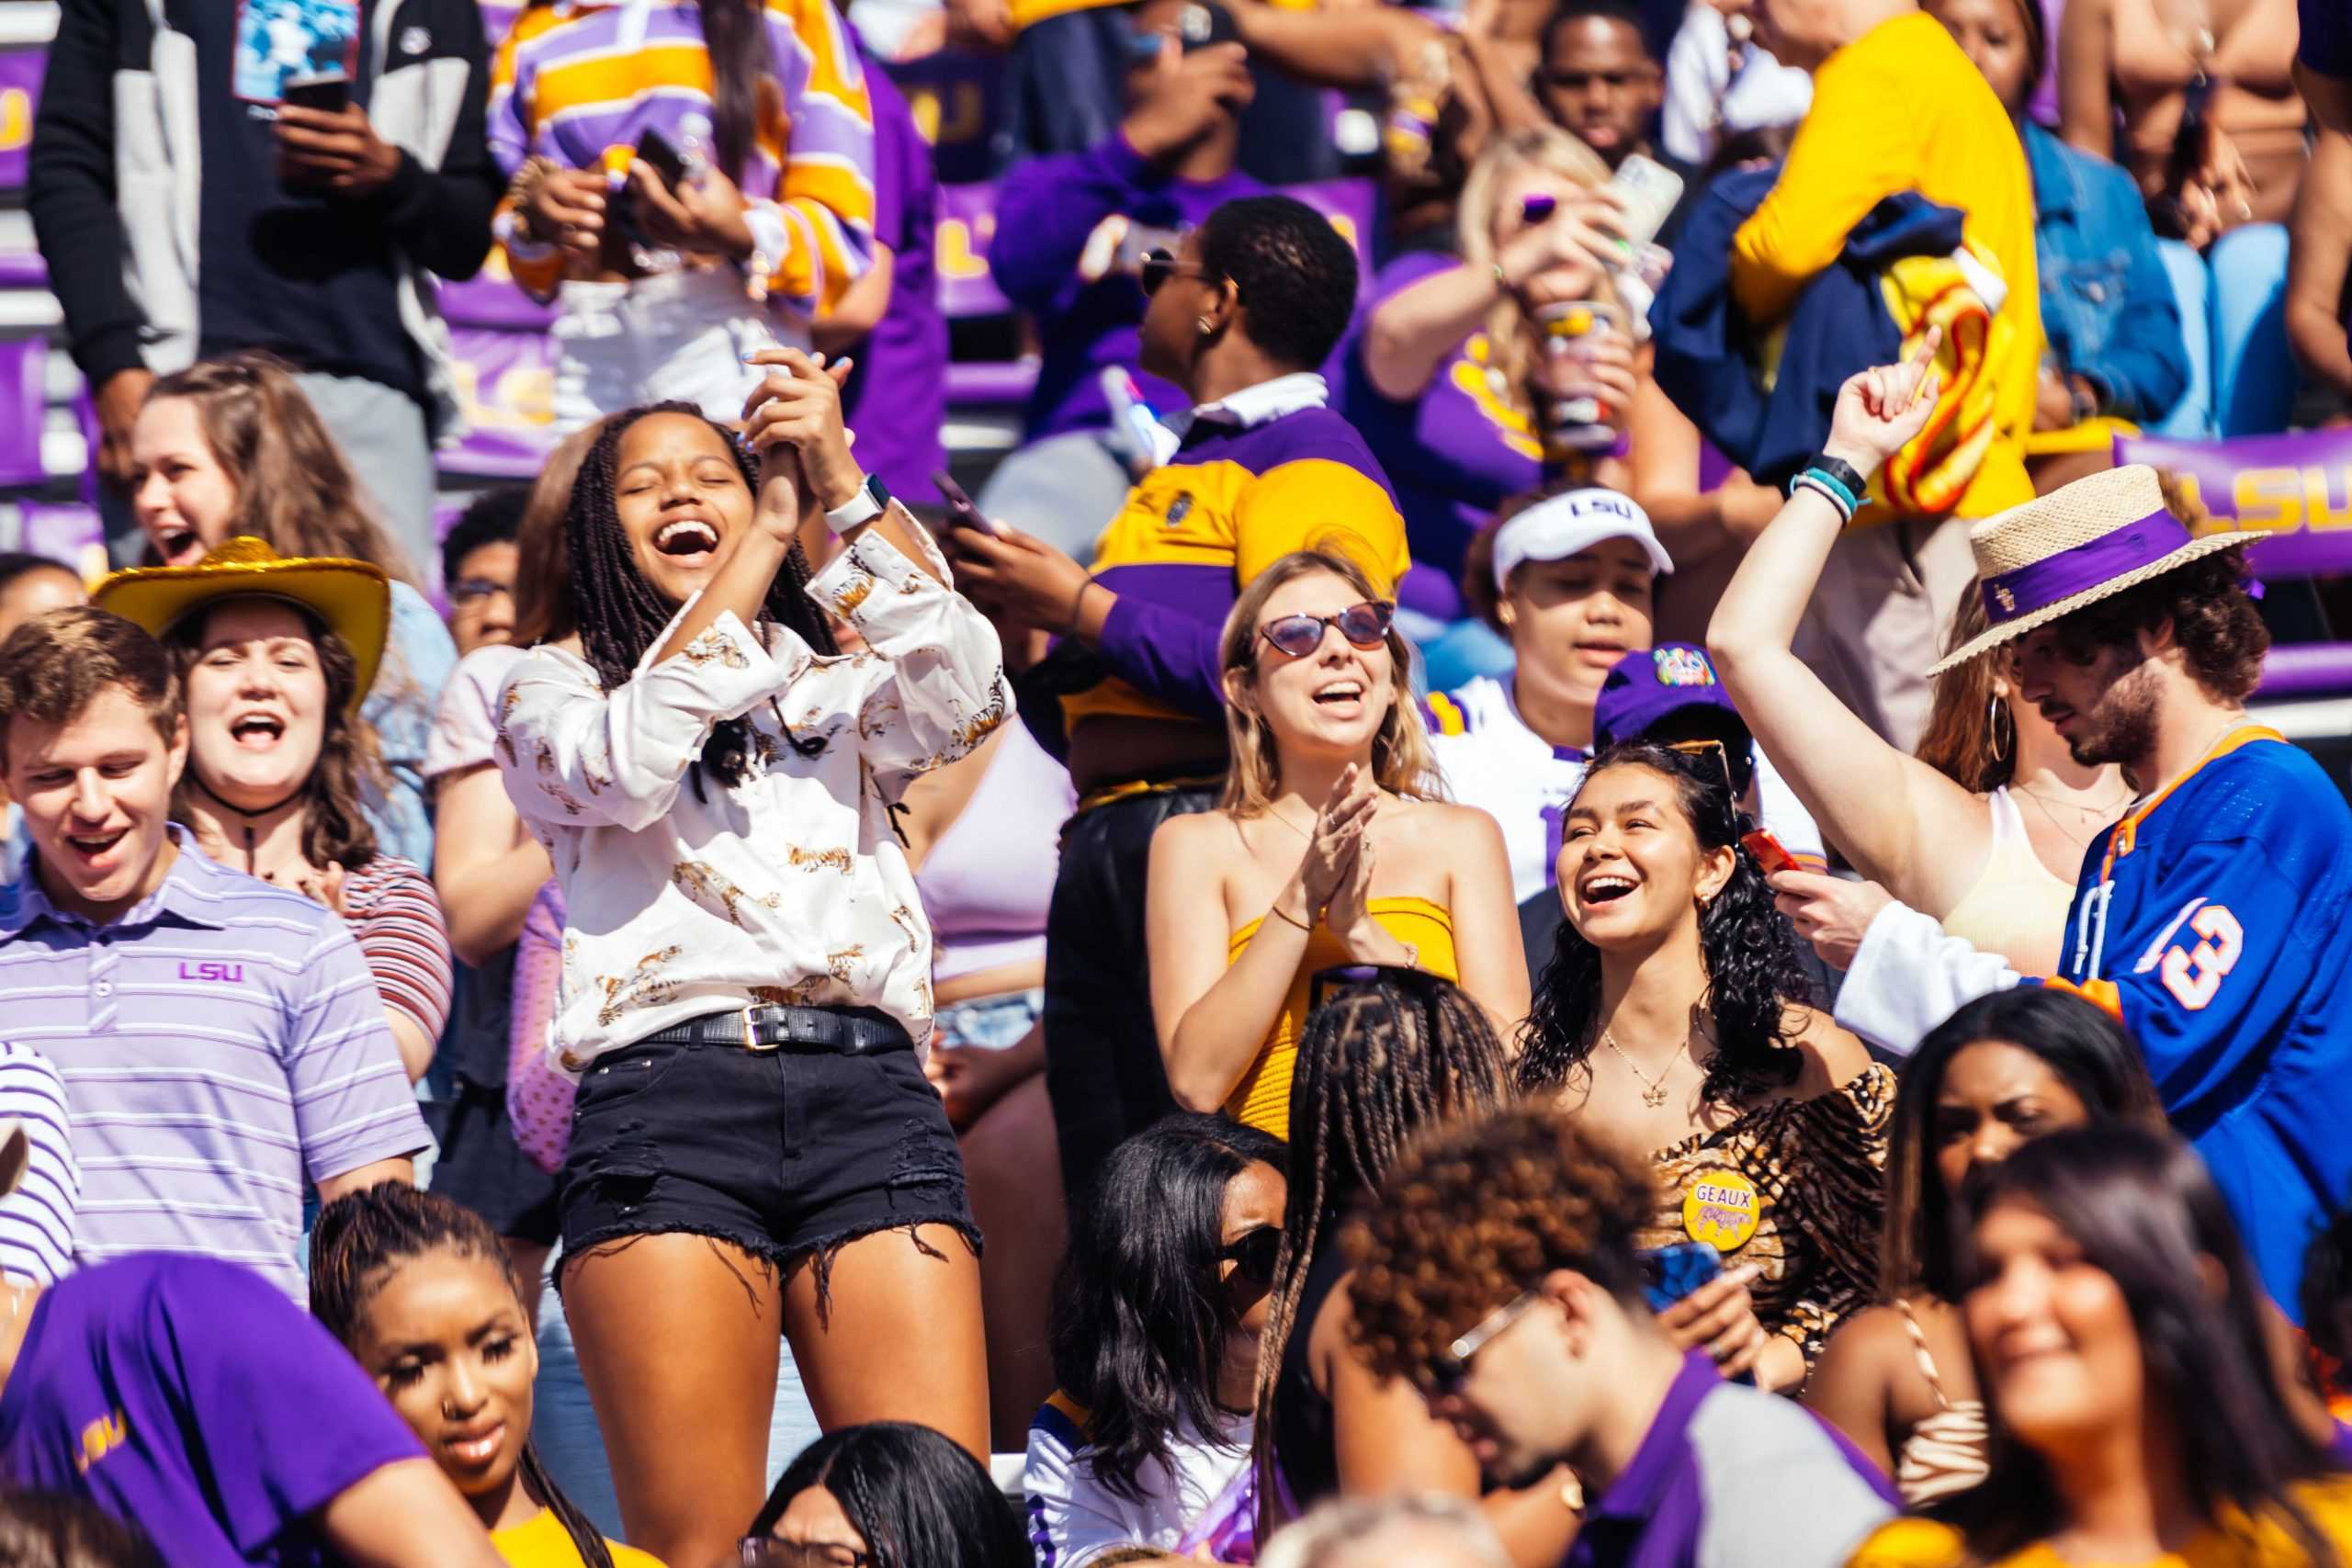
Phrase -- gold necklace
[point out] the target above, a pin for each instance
(1289, 824)
(1652, 1089)
(2096, 816)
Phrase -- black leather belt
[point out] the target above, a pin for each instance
(847, 1032)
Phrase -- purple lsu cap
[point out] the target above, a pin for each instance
(1646, 687)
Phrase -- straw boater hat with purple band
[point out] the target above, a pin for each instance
(2086, 541)
(354, 598)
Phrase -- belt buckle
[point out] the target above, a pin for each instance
(751, 1032)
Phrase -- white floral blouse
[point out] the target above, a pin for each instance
(789, 888)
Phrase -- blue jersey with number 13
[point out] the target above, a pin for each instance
(2213, 918)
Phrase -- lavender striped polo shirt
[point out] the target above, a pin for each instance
(219, 1043)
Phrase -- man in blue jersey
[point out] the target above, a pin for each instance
(2211, 919)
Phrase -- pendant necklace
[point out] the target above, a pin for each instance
(1653, 1088)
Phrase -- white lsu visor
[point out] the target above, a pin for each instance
(1557, 529)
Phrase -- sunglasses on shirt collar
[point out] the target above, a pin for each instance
(1365, 625)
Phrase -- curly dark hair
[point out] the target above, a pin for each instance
(1139, 1322)
(1294, 276)
(2214, 621)
(1386, 1055)
(335, 829)
(1754, 976)
(621, 615)
(1480, 1212)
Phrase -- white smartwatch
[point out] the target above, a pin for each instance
(870, 501)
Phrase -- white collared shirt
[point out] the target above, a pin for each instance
(685, 897)
(1250, 406)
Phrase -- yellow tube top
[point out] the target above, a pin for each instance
(1262, 1098)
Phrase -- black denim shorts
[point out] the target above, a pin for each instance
(786, 1154)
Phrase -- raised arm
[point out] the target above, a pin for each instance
(1412, 331)
(2086, 101)
(1358, 46)
(1880, 806)
(936, 686)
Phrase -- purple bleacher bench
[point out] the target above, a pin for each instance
(23, 407)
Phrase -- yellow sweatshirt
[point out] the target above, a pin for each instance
(1902, 108)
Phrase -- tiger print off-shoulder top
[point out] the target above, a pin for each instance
(1794, 1186)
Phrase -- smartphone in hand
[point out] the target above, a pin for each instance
(1770, 855)
(962, 513)
(662, 154)
(329, 94)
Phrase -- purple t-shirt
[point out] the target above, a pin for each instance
(897, 398)
(192, 1399)
(1454, 453)
(1046, 209)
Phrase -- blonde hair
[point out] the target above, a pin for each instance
(1510, 336)
(1401, 761)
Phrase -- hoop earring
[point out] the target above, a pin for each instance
(1996, 716)
(1205, 325)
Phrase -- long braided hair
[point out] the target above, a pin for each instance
(1388, 1054)
(1754, 976)
(621, 615)
(362, 1238)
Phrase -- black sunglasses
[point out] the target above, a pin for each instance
(1253, 1254)
(1364, 626)
(1160, 265)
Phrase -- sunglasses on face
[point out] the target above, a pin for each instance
(1158, 266)
(766, 1551)
(1253, 1254)
(1452, 1368)
(1365, 625)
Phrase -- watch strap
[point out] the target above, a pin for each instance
(870, 501)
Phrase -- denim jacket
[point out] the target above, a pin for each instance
(2107, 304)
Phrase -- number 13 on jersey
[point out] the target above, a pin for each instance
(2193, 962)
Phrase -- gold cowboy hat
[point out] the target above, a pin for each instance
(352, 597)
(2081, 543)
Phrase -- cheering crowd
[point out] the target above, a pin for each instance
(1559, 872)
